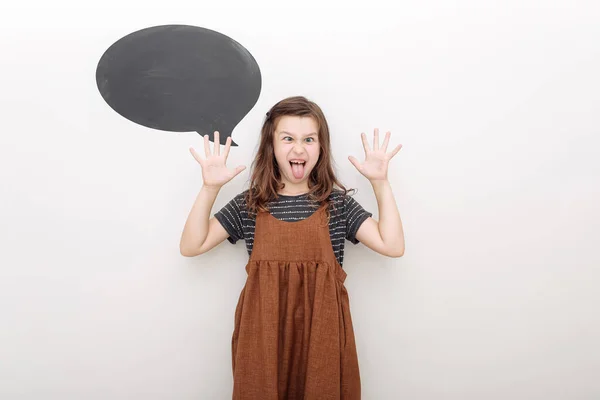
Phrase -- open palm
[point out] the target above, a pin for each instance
(375, 166)
(214, 170)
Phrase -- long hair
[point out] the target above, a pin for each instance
(265, 179)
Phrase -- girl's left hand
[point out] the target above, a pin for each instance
(375, 166)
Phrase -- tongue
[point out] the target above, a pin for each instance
(298, 170)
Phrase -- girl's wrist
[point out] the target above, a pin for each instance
(379, 182)
(211, 188)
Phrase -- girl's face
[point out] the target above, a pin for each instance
(297, 149)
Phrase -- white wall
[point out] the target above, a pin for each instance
(497, 106)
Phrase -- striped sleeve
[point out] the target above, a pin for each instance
(355, 216)
(230, 217)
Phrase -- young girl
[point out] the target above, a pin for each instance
(293, 336)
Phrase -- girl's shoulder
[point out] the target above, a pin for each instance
(238, 202)
(340, 200)
(338, 195)
(240, 199)
(241, 195)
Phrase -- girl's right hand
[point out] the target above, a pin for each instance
(214, 171)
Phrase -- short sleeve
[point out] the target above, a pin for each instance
(230, 217)
(355, 216)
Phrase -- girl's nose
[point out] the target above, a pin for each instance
(299, 148)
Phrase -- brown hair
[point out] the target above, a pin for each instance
(265, 179)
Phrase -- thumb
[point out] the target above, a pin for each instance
(238, 169)
(195, 155)
(354, 162)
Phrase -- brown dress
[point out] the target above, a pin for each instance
(293, 335)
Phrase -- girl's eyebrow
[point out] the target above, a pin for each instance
(308, 134)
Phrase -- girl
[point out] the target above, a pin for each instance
(293, 336)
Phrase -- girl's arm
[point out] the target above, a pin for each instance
(200, 233)
(385, 236)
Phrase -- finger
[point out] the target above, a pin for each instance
(386, 140)
(195, 155)
(217, 144)
(376, 139)
(396, 150)
(206, 146)
(354, 162)
(365, 144)
(239, 169)
(227, 147)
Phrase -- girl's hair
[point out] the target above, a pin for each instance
(265, 179)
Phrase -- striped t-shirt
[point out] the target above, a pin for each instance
(344, 222)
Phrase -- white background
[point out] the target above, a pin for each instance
(497, 107)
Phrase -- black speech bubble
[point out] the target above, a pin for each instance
(180, 78)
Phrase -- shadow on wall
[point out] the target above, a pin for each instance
(180, 78)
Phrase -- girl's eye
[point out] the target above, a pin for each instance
(309, 138)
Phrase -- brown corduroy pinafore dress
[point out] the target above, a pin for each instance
(293, 336)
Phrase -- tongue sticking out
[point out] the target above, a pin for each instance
(298, 170)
